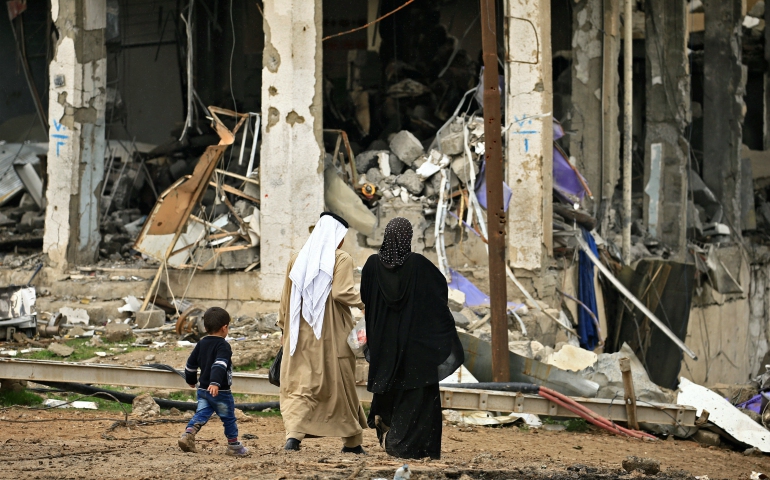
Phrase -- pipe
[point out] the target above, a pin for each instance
(628, 99)
(605, 271)
(162, 402)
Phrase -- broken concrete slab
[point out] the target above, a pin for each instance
(61, 350)
(75, 316)
(368, 160)
(117, 332)
(572, 358)
(406, 147)
(724, 415)
(151, 318)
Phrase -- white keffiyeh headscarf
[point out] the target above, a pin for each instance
(312, 275)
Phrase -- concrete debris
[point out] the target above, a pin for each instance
(572, 358)
(452, 143)
(75, 316)
(648, 466)
(144, 406)
(61, 350)
(117, 332)
(79, 404)
(456, 300)
(76, 332)
(606, 372)
(707, 438)
(470, 417)
(151, 318)
(411, 182)
(406, 147)
(132, 305)
(723, 414)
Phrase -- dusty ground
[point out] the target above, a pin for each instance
(74, 444)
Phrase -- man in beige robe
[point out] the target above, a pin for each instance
(318, 386)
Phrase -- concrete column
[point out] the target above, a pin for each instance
(668, 114)
(291, 158)
(78, 75)
(595, 139)
(724, 85)
(529, 140)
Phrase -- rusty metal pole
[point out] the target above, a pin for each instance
(495, 212)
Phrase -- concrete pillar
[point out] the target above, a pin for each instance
(529, 140)
(595, 140)
(78, 76)
(668, 114)
(291, 158)
(724, 85)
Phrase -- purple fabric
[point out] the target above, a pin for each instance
(754, 404)
(481, 189)
(473, 296)
(558, 130)
(565, 179)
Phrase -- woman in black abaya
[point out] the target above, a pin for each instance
(412, 344)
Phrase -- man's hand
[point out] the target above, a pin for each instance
(213, 390)
(191, 386)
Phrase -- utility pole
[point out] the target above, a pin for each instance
(495, 210)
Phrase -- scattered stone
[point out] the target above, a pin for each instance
(406, 147)
(452, 143)
(373, 175)
(461, 169)
(76, 332)
(368, 160)
(174, 412)
(753, 451)
(460, 319)
(144, 406)
(188, 415)
(95, 341)
(7, 385)
(456, 300)
(61, 350)
(151, 318)
(705, 437)
(396, 165)
(149, 358)
(144, 340)
(648, 466)
(411, 181)
(117, 332)
(242, 417)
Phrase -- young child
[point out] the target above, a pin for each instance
(212, 355)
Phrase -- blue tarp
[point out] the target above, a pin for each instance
(473, 296)
(589, 337)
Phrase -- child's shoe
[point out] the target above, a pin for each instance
(187, 442)
(237, 450)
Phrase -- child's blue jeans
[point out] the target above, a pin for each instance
(223, 405)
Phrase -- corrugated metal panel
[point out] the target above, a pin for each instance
(10, 184)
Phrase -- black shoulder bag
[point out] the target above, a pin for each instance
(274, 376)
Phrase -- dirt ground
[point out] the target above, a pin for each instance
(80, 444)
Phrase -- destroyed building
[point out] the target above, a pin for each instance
(192, 145)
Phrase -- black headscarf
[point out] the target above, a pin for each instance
(410, 331)
(397, 244)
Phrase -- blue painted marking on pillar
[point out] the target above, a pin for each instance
(526, 145)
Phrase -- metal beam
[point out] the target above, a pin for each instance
(257, 384)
